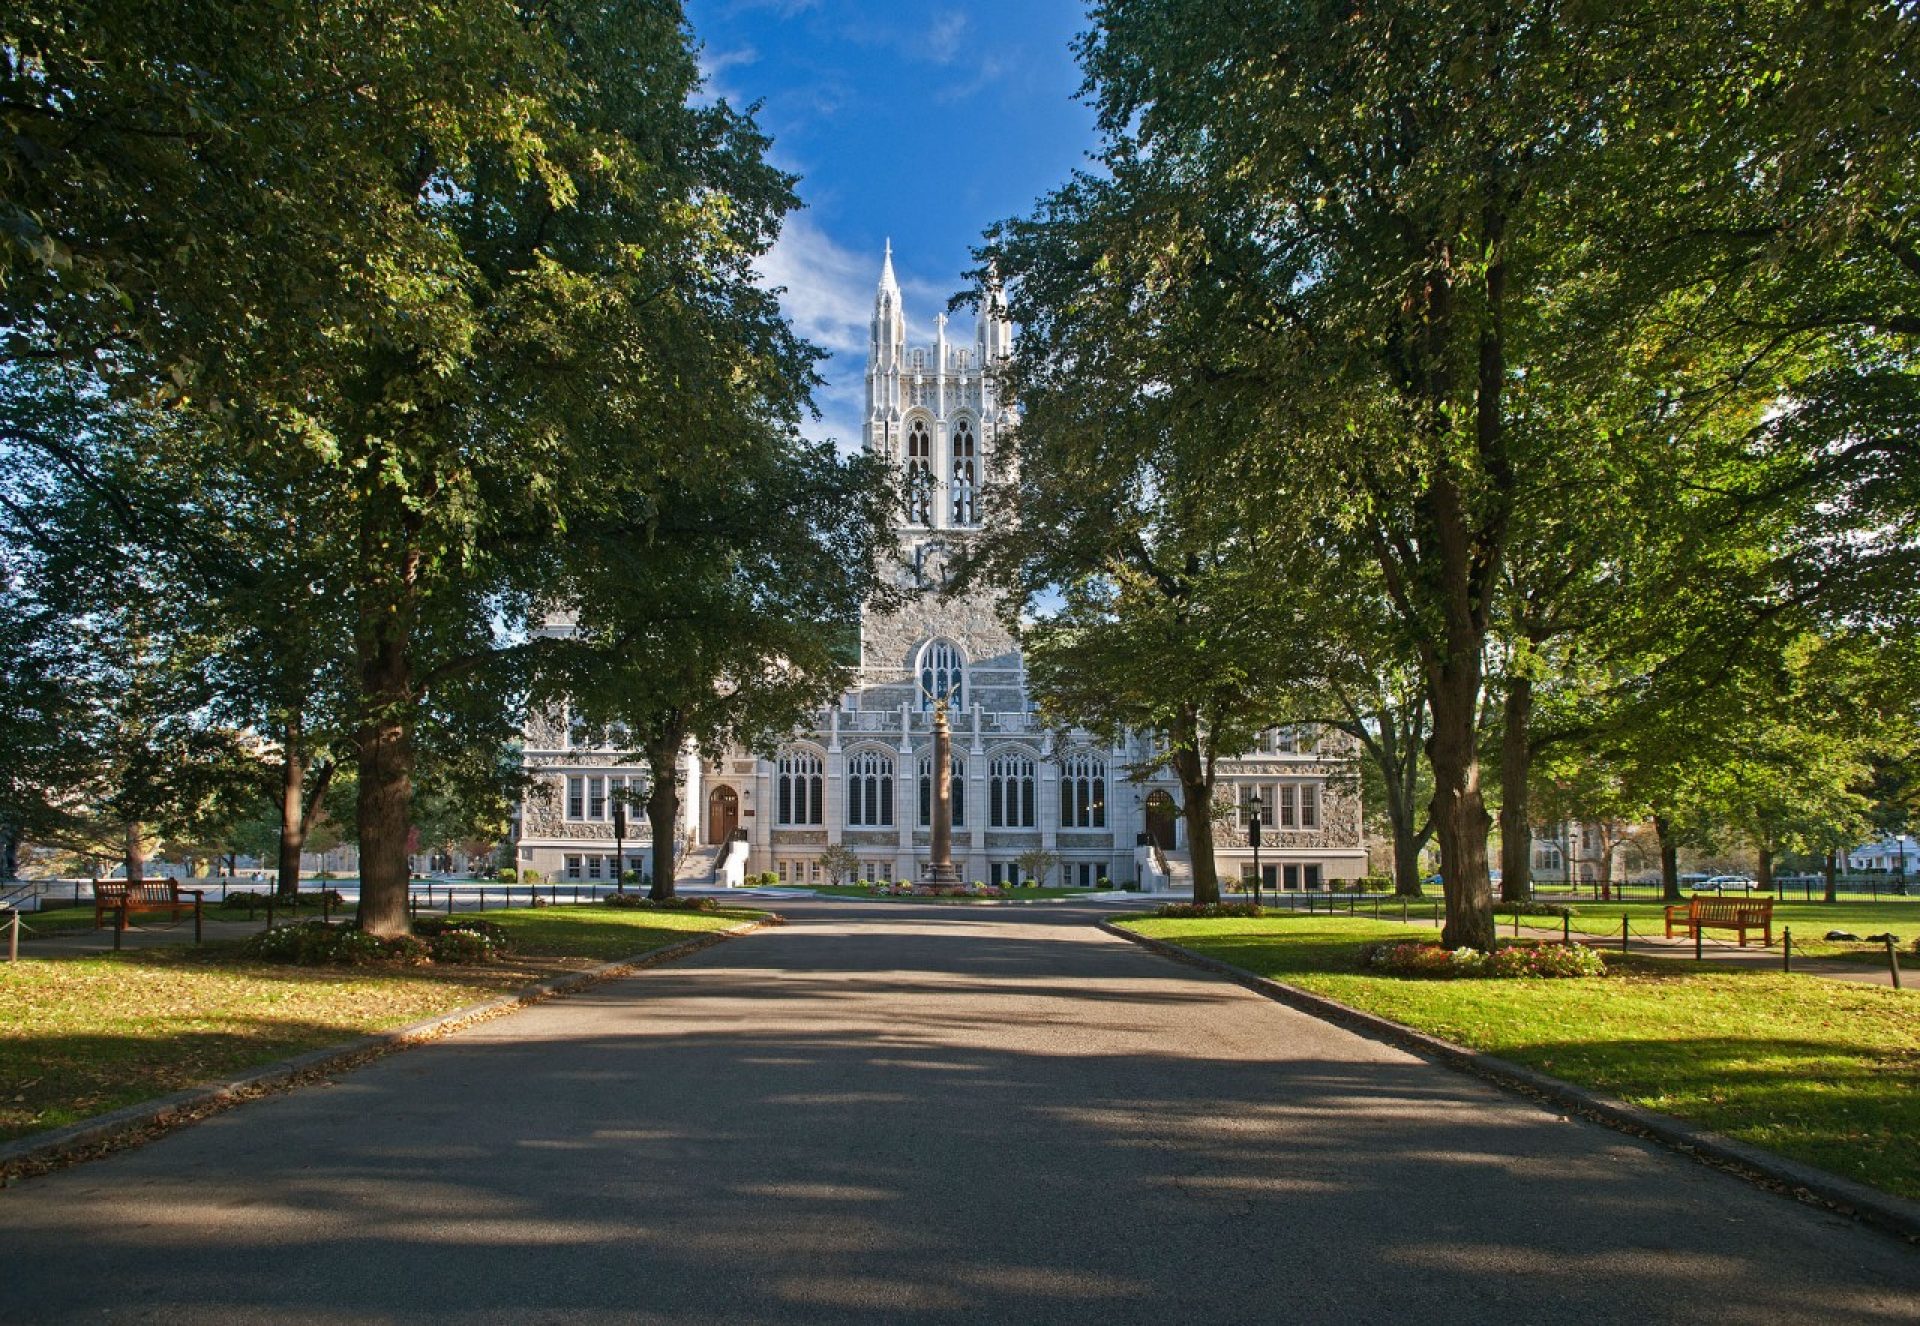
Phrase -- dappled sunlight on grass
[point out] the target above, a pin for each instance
(82, 1035)
(1825, 1071)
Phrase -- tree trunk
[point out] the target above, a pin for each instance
(1516, 766)
(1669, 859)
(10, 851)
(1833, 876)
(293, 836)
(385, 758)
(1406, 853)
(1196, 808)
(1765, 868)
(1459, 811)
(135, 854)
(663, 808)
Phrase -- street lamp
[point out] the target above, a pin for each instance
(619, 848)
(1253, 840)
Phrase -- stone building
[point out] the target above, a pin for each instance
(860, 773)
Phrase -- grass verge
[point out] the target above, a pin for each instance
(864, 891)
(81, 1036)
(1824, 1071)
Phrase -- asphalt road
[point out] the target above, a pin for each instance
(921, 1114)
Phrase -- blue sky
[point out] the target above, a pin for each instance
(924, 123)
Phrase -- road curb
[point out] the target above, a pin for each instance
(1885, 1211)
(132, 1125)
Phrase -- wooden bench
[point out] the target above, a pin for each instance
(151, 895)
(1742, 914)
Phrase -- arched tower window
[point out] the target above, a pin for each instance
(966, 473)
(1083, 792)
(943, 675)
(869, 790)
(958, 783)
(919, 473)
(1010, 791)
(800, 788)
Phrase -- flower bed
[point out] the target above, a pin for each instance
(1192, 909)
(645, 903)
(1509, 961)
(902, 889)
(435, 939)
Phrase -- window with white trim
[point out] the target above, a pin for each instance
(573, 867)
(919, 472)
(1011, 791)
(1083, 792)
(869, 790)
(798, 788)
(943, 675)
(965, 473)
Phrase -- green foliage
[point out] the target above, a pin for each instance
(322, 944)
(641, 902)
(1193, 909)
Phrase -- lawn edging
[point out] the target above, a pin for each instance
(134, 1124)
(1887, 1211)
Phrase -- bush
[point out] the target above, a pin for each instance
(246, 899)
(507, 875)
(1522, 961)
(531, 877)
(318, 944)
(1532, 909)
(641, 902)
(252, 900)
(1193, 909)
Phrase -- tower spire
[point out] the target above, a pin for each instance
(887, 281)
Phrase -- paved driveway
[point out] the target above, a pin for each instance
(902, 1113)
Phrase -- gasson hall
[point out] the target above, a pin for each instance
(861, 773)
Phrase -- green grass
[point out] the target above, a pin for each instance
(1827, 1072)
(82, 1035)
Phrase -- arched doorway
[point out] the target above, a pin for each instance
(723, 813)
(1161, 819)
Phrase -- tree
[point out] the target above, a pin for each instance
(839, 862)
(1036, 863)
(722, 620)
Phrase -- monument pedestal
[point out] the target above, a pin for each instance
(943, 873)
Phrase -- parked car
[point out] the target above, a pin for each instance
(1724, 883)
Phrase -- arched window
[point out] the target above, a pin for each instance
(965, 473)
(800, 783)
(919, 473)
(869, 790)
(1010, 791)
(959, 785)
(1083, 792)
(943, 676)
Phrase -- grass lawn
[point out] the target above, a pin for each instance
(1810, 922)
(83, 1035)
(866, 891)
(1827, 1072)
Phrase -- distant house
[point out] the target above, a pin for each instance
(1894, 855)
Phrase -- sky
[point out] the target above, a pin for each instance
(914, 122)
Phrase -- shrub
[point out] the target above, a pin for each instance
(531, 877)
(247, 899)
(641, 902)
(318, 944)
(1532, 909)
(1192, 909)
(507, 875)
(1527, 961)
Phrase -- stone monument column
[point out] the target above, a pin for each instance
(941, 869)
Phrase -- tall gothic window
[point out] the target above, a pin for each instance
(1010, 791)
(959, 783)
(919, 473)
(869, 790)
(1083, 792)
(800, 783)
(942, 676)
(965, 473)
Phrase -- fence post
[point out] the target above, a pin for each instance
(1623, 932)
(198, 900)
(449, 900)
(1893, 962)
(1566, 928)
(1697, 942)
(13, 934)
(1786, 948)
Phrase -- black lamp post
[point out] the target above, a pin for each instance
(1253, 838)
(619, 848)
